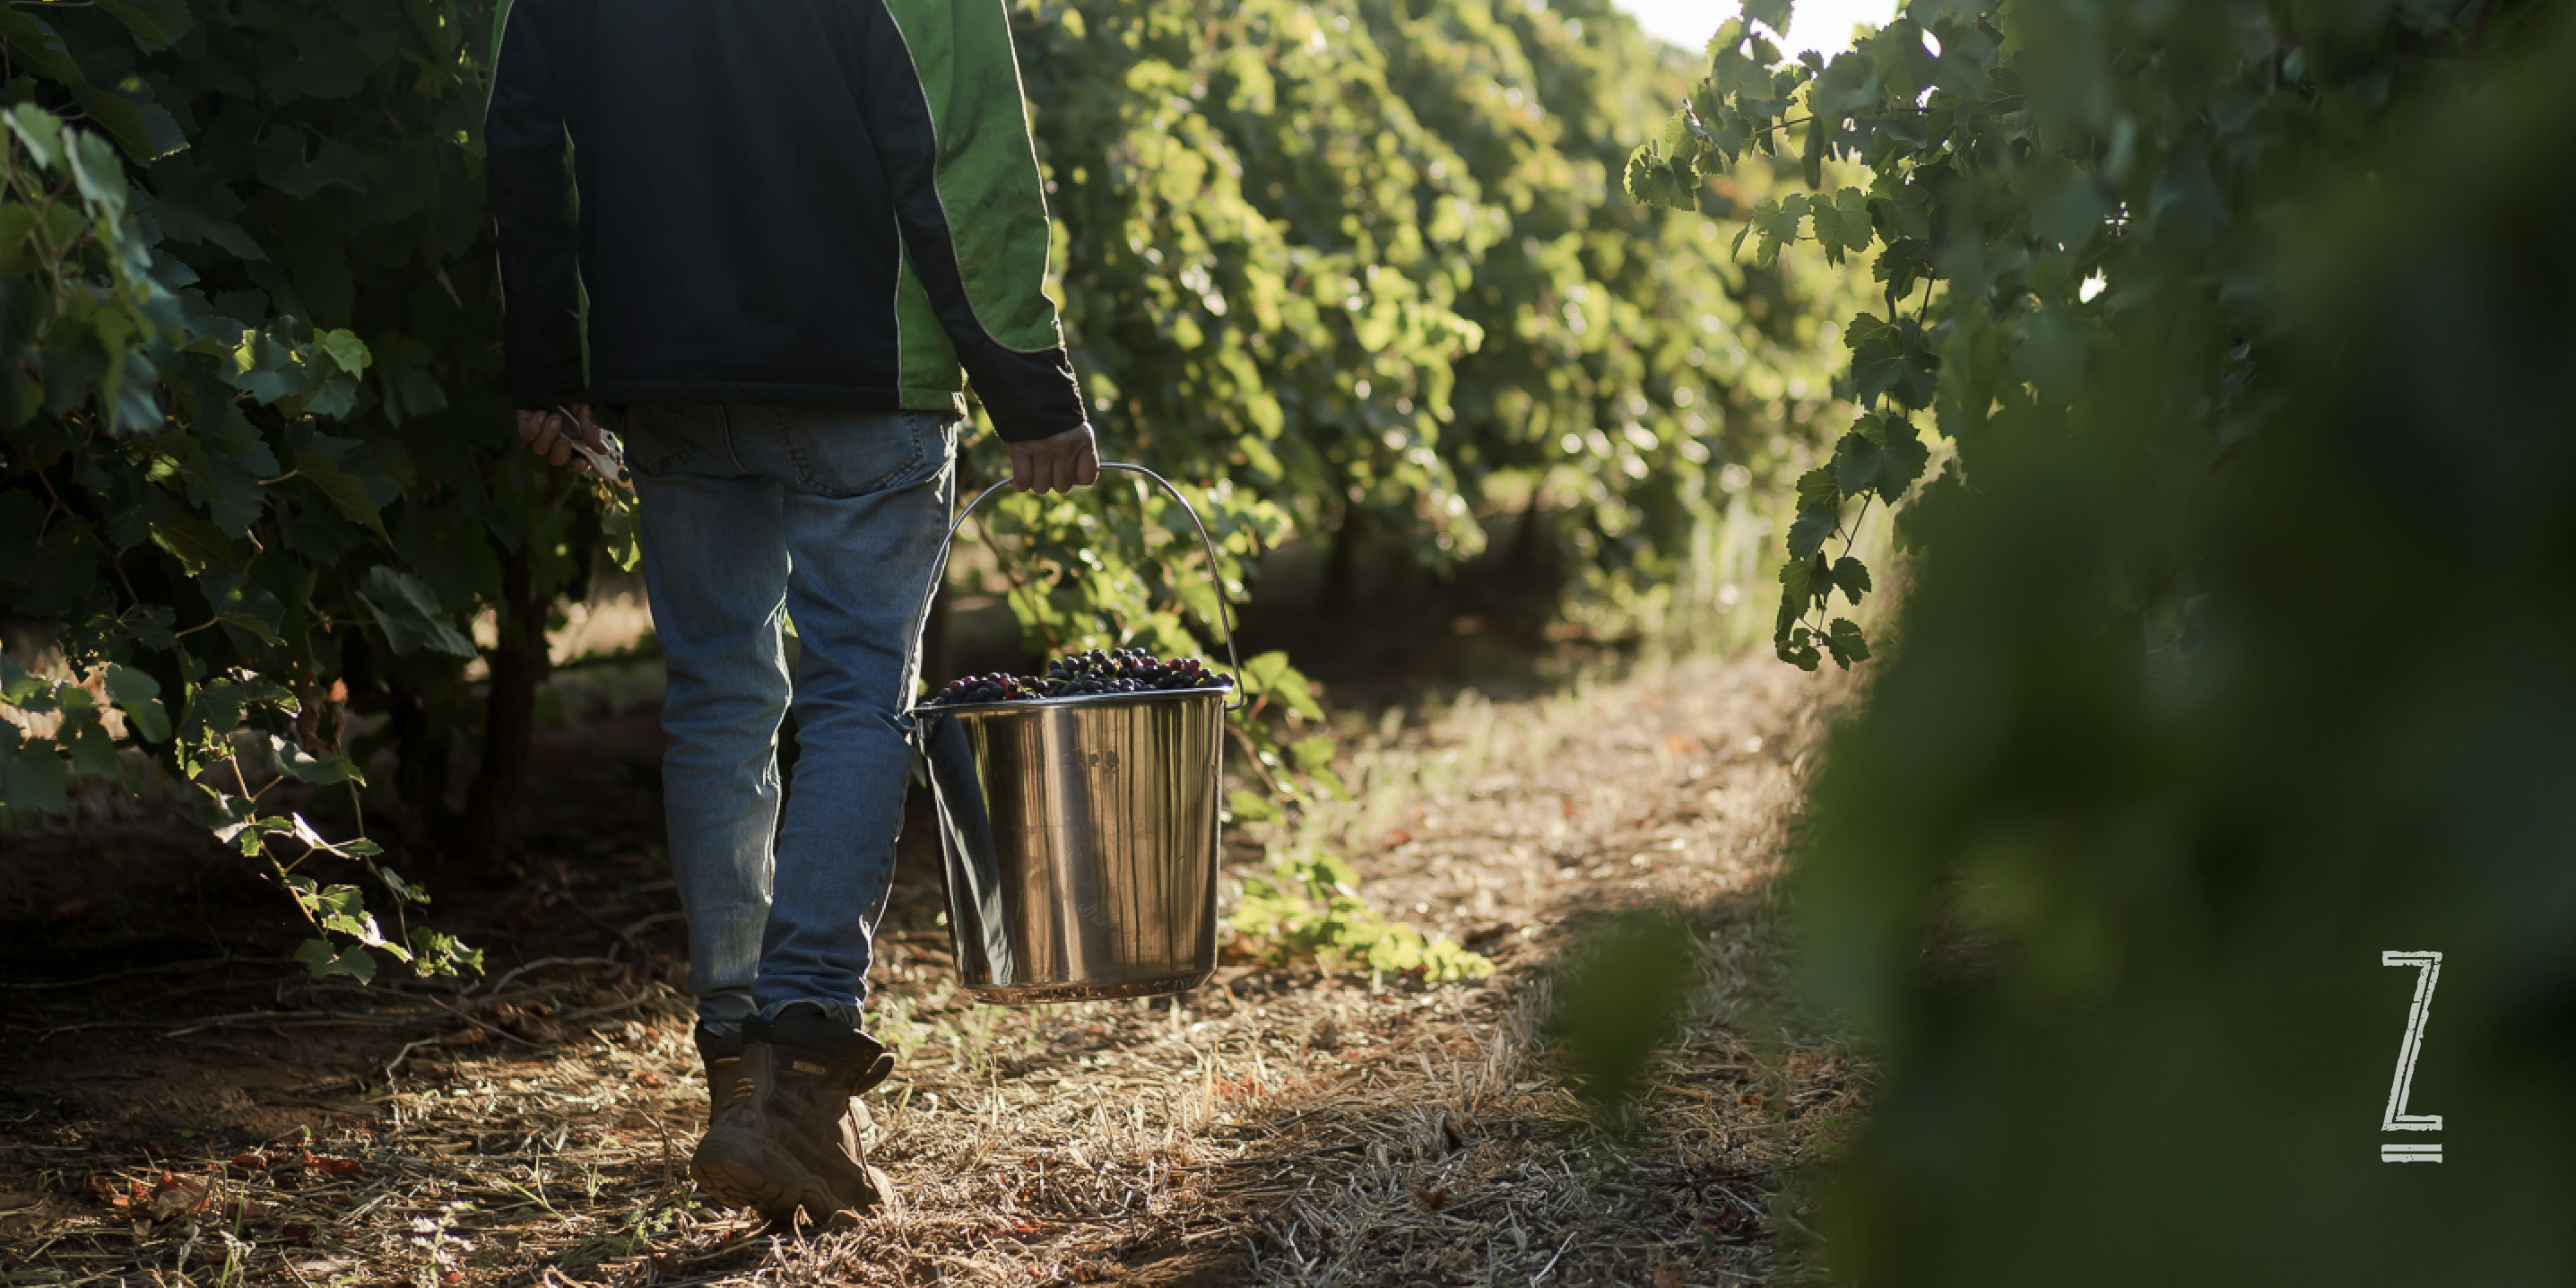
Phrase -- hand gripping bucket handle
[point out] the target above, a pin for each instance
(1224, 616)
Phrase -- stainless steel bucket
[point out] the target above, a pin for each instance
(1079, 835)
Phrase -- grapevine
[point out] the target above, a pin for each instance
(1356, 267)
(2044, 191)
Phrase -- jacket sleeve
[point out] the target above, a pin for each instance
(940, 91)
(532, 212)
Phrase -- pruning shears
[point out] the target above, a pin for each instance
(609, 458)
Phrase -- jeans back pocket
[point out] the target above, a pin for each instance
(841, 452)
(657, 437)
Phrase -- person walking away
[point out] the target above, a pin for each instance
(786, 228)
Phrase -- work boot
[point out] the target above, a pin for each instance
(792, 1136)
(722, 1055)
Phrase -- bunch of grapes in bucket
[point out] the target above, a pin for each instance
(1096, 671)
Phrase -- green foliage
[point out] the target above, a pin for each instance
(2049, 185)
(2188, 727)
(1360, 263)
(1356, 262)
(253, 445)
(1619, 999)
(1308, 906)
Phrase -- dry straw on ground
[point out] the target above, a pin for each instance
(1276, 1127)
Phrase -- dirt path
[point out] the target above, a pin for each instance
(1275, 1127)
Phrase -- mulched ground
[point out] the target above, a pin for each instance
(212, 1117)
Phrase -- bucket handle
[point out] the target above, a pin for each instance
(1224, 617)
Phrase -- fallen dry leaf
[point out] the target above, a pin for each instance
(252, 1160)
(179, 1195)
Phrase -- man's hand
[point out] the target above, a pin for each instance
(550, 433)
(1056, 463)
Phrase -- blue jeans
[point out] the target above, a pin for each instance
(753, 517)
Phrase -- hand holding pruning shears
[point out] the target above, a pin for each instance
(563, 432)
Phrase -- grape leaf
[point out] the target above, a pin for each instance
(1845, 641)
(1777, 220)
(1809, 531)
(2067, 206)
(403, 605)
(145, 130)
(1848, 84)
(93, 751)
(33, 43)
(1843, 224)
(323, 961)
(35, 778)
(344, 488)
(1797, 649)
(1889, 361)
(1270, 675)
(305, 767)
(17, 687)
(156, 24)
(1851, 577)
(1817, 490)
(138, 695)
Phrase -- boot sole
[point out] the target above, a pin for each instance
(745, 1171)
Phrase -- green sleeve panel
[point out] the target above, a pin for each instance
(930, 377)
(987, 169)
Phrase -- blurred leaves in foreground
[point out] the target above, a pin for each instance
(2108, 888)
(1620, 998)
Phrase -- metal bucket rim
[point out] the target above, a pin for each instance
(1217, 691)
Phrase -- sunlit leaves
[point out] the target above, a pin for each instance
(1269, 678)
(1770, 13)
(1842, 223)
(1308, 906)
(324, 961)
(1848, 84)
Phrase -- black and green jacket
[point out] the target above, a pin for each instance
(790, 201)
